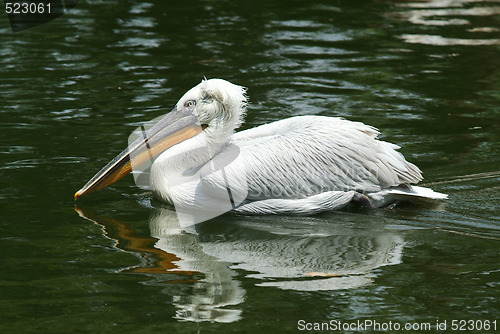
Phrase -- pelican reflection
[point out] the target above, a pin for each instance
(289, 253)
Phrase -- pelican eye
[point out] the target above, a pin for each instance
(190, 104)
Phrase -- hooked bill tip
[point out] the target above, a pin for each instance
(78, 194)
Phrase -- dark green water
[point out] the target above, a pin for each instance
(427, 74)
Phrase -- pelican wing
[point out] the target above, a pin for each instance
(307, 155)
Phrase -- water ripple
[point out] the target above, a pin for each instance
(434, 14)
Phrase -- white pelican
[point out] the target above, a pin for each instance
(299, 165)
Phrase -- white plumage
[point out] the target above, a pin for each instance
(303, 165)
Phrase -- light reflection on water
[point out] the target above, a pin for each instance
(451, 13)
(443, 41)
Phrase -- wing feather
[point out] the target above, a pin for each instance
(307, 155)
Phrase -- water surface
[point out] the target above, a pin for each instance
(426, 73)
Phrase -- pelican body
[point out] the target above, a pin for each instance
(299, 165)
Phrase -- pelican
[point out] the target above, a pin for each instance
(298, 165)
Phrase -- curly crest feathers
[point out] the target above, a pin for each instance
(232, 100)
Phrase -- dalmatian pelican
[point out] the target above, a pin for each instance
(298, 165)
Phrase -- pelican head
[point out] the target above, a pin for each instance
(217, 103)
(208, 112)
